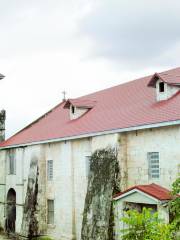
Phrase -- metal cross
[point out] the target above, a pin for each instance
(64, 95)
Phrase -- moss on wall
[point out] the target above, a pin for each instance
(97, 216)
(30, 224)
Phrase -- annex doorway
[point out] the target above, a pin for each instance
(11, 211)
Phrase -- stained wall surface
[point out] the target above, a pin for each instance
(70, 173)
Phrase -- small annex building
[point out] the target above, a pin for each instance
(150, 196)
(46, 177)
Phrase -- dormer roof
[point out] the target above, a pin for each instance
(80, 103)
(171, 78)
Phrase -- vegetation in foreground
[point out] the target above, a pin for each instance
(147, 226)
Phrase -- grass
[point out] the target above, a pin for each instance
(42, 238)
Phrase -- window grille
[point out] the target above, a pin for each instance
(153, 161)
(50, 170)
(12, 164)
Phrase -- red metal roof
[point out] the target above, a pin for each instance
(131, 104)
(81, 103)
(153, 190)
(168, 77)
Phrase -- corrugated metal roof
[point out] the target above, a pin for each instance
(81, 103)
(170, 77)
(123, 106)
(153, 190)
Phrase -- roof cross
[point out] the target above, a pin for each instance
(64, 95)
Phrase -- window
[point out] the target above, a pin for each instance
(73, 109)
(153, 161)
(50, 170)
(12, 164)
(50, 213)
(87, 165)
(161, 87)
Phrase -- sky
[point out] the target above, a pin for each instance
(79, 46)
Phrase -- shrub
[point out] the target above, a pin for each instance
(175, 204)
(145, 226)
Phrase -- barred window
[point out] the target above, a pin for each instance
(50, 170)
(153, 162)
(12, 164)
(50, 213)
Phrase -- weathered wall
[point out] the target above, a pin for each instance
(164, 140)
(77, 113)
(169, 91)
(2, 125)
(2, 186)
(69, 186)
(101, 185)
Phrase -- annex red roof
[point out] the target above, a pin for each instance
(153, 190)
(131, 104)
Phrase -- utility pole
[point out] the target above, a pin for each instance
(1, 76)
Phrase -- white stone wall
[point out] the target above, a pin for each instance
(78, 112)
(17, 181)
(69, 185)
(2, 187)
(169, 91)
(166, 141)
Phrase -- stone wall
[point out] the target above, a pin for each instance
(2, 125)
(166, 142)
(69, 185)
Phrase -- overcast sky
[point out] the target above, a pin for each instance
(81, 46)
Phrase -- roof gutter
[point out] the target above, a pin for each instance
(113, 131)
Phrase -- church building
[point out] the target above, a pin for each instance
(45, 173)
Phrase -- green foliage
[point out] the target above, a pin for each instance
(145, 226)
(175, 204)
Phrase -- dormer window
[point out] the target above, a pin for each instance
(72, 109)
(78, 107)
(164, 86)
(161, 87)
